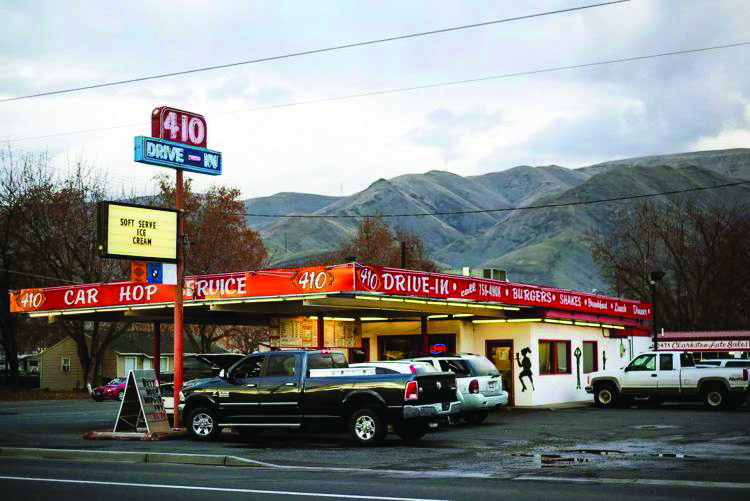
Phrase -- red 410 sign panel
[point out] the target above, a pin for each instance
(179, 126)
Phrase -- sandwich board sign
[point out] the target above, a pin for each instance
(142, 406)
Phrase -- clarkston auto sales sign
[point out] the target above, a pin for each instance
(349, 278)
(712, 345)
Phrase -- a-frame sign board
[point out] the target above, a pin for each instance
(142, 406)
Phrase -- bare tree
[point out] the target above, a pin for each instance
(246, 339)
(704, 252)
(53, 221)
(219, 241)
(376, 244)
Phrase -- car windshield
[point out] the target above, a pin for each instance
(482, 367)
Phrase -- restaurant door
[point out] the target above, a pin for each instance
(501, 354)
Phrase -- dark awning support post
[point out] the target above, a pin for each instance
(423, 332)
(157, 350)
(321, 331)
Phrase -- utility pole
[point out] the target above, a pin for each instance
(655, 277)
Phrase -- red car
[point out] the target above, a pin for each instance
(115, 389)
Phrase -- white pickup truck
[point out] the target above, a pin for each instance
(656, 376)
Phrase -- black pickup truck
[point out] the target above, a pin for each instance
(294, 388)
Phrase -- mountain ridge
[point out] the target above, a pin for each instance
(490, 220)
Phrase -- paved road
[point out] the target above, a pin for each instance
(76, 480)
(674, 442)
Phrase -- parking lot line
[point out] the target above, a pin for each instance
(217, 489)
(639, 481)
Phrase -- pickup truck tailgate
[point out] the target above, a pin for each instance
(436, 387)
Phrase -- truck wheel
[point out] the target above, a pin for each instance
(475, 417)
(411, 432)
(366, 427)
(715, 397)
(201, 423)
(605, 395)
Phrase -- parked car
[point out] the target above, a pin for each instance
(669, 375)
(724, 362)
(480, 387)
(294, 388)
(115, 389)
(397, 367)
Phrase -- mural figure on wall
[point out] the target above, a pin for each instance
(525, 364)
(577, 354)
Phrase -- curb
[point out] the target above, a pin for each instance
(131, 457)
(172, 434)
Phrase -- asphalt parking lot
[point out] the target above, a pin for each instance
(677, 442)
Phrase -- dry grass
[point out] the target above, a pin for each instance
(6, 394)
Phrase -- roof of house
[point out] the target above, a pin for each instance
(142, 342)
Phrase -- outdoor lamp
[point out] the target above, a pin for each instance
(655, 277)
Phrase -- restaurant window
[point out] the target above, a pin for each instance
(404, 347)
(590, 359)
(554, 357)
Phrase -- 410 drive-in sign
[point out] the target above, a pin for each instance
(179, 141)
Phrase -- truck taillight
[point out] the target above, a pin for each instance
(745, 374)
(474, 386)
(412, 391)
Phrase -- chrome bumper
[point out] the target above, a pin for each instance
(428, 410)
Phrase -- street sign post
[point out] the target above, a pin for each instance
(179, 142)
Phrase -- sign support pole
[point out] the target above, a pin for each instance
(178, 326)
(157, 350)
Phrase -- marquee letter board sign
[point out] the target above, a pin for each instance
(142, 406)
(129, 231)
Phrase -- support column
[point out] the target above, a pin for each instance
(423, 332)
(178, 324)
(157, 350)
(321, 331)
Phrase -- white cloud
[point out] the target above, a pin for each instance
(570, 117)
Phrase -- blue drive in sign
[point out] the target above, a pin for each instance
(153, 151)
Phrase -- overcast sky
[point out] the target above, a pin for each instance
(572, 118)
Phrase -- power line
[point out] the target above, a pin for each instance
(412, 88)
(42, 276)
(309, 52)
(481, 211)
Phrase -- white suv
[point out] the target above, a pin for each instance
(480, 387)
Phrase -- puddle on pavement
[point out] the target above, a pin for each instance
(593, 457)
